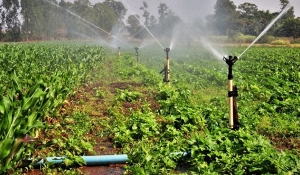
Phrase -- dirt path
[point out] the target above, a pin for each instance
(86, 100)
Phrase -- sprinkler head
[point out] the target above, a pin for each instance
(119, 48)
(231, 60)
(167, 50)
(136, 48)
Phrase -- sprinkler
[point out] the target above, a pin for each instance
(137, 54)
(119, 52)
(166, 69)
(232, 94)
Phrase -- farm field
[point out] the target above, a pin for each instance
(82, 99)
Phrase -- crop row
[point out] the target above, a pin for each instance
(35, 81)
(193, 115)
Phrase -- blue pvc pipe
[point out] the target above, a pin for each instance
(90, 160)
(99, 160)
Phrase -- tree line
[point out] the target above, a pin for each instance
(248, 20)
(23, 20)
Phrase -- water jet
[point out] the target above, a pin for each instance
(87, 22)
(143, 24)
(287, 7)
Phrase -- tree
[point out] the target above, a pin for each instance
(225, 16)
(83, 8)
(162, 12)
(117, 7)
(1, 23)
(42, 19)
(280, 23)
(290, 12)
(104, 16)
(134, 25)
(167, 20)
(289, 28)
(146, 13)
(11, 19)
(78, 17)
(152, 22)
(248, 21)
(32, 13)
(52, 20)
(247, 10)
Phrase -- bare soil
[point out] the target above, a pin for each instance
(84, 101)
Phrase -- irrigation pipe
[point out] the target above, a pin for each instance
(98, 160)
(90, 160)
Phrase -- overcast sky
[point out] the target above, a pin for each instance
(190, 9)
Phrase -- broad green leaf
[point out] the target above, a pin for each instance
(6, 103)
(39, 93)
(2, 109)
(27, 102)
(32, 119)
(5, 147)
(68, 162)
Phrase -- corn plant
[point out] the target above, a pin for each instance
(36, 79)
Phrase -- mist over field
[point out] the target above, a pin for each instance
(114, 22)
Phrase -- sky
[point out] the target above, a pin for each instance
(190, 9)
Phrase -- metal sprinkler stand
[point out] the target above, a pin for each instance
(232, 94)
(166, 69)
(137, 54)
(119, 52)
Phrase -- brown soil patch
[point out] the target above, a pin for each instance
(85, 100)
(288, 143)
(112, 169)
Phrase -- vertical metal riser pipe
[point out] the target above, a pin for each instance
(137, 54)
(230, 105)
(230, 62)
(167, 69)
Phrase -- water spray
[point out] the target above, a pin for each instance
(135, 34)
(232, 94)
(86, 21)
(137, 54)
(119, 52)
(143, 24)
(284, 11)
(166, 69)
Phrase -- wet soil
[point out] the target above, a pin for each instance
(84, 101)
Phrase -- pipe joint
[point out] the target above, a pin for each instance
(233, 93)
